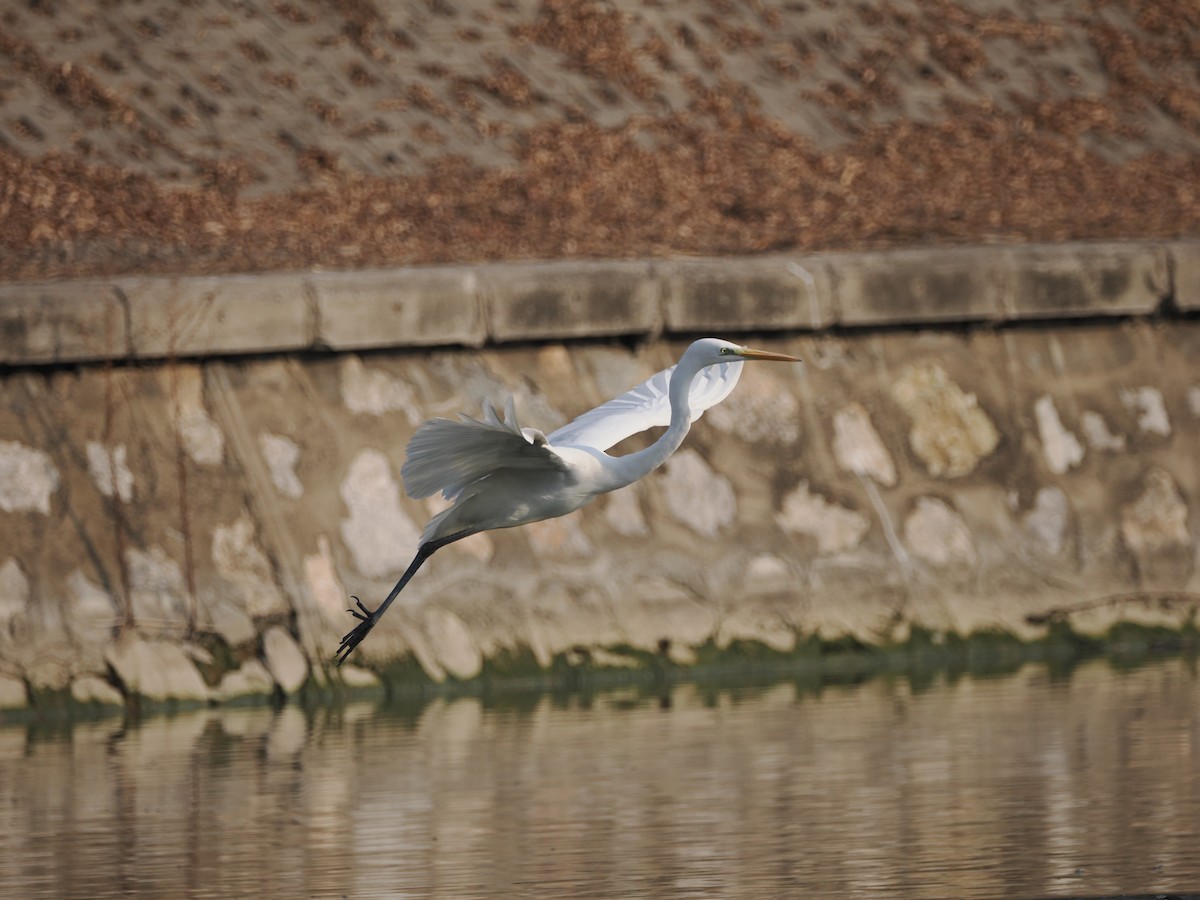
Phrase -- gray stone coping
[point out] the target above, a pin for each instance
(133, 318)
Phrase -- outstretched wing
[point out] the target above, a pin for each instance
(646, 406)
(446, 455)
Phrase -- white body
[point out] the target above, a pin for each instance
(500, 475)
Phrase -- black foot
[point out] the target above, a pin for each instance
(354, 637)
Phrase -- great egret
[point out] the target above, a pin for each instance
(498, 474)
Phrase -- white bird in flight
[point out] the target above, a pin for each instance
(498, 475)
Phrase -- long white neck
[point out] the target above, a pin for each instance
(629, 468)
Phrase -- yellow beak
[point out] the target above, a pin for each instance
(748, 353)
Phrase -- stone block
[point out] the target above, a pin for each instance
(53, 322)
(232, 314)
(1075, 280)
(251, 680)
(561, 301)
(1185, 274)
(398, 307)
(715, 297)
(284, 659)
(13, 694)
(91, 689)
(964, 284)
(354, 677)
(157, 670)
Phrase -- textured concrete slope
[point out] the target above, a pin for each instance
(219, 136)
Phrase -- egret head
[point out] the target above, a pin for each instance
(711, 351)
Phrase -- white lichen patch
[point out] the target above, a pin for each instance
(766, 571)
(28, 479)
(320, 572)
(554, 365)
(92, 606)
(156, 586)
(937, 534)
(281, 455)
(1157, 519)
(835, 528)
(1097, 433)
(759, 410)
(858, 447)
(1060, 448)
(1046, 524)
(560, 537)
(380, 537)
(109, 471)
(700, 498)
(950, 433)
(202, 439)
(240, 560)
(476, 384)
(14, 591)
(1151, 411)
(623, 511)
(374, 392)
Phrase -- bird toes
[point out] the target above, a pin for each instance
(354, 637)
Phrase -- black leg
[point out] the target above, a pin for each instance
(367, 618)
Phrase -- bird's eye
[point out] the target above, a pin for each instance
(725, 351)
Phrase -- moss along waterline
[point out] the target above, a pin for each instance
(814, 663)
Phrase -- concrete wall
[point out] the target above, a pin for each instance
(979, 438)
(129, 319)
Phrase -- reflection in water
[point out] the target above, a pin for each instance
(1024, 785)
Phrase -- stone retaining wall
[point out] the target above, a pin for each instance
(191, 528)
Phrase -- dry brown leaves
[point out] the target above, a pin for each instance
(662, 188)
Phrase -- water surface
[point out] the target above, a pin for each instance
(1025, 785)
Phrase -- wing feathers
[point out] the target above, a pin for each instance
(646, 406)
(446, 455)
